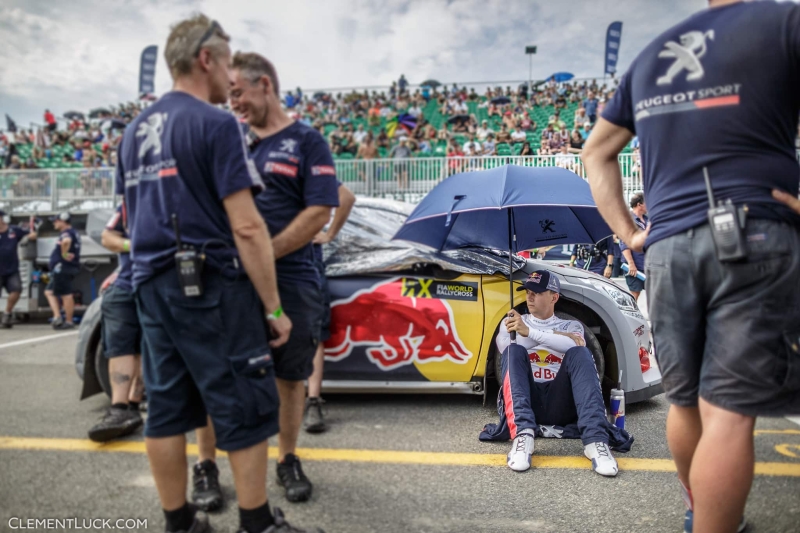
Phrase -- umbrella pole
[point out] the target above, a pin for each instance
(511, 240)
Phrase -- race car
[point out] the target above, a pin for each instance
(405, 318)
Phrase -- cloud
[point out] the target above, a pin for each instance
(85, 53)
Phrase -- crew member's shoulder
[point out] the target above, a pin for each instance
(307, 134)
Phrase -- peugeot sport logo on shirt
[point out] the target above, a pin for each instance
(288, 145)
(151, 131)
(686, 56)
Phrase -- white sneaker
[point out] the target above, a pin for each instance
(602, 461)
(519, 458)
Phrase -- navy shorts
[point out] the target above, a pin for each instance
(634, 283)
(122, 334)
(61, 280)
(11, 283)
(207, 355)
(294, 361)
(728, 332)
(325, 329)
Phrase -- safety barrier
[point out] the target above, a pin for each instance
(51, 191)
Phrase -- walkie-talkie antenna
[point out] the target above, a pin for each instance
(708, 188)
(177, 231)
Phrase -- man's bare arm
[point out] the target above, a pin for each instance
(600, 157)
(301, 230)
(346, 201)
(255, 250)
(114, 241)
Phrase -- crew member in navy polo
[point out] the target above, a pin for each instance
(10, 280)
(204, 351)
(65, 264)
(122, 339)
(301, 188)
(634, 259)
(718, 94)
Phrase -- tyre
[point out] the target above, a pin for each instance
(101, 366)
(591, 342)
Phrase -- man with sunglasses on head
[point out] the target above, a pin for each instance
(183, 166)
(301, 189)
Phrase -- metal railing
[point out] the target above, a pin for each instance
(77, 190)
(410, 179)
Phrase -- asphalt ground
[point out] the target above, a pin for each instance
(390, 463)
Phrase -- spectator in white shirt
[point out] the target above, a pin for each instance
(471, 147)
(359, 135)
(415, 111)
(483, 131)
(517, 135)
(489, 145)
(564, 159)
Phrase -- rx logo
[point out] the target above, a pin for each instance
(416, 288)
(547, 225)
(151, 131)
(687, 56)
(288, 145)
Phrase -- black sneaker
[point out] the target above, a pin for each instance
(206, 493)
(6, 323)
(313, 418)
(56, 323)
(282, 526)
(199, 524)
(116, 423)
(64, 325)
(291, 477)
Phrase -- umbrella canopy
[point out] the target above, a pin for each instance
(97, 113)
(117, 124)
(543, 206)
(501, 100)
(405, 121)
(431, 83)
(458, 118)
(73, 115)
(560, 77)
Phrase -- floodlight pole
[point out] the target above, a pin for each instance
(530, 51)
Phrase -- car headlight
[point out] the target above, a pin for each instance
(624, 301)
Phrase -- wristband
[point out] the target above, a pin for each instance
(126, 245)
(276, 314)
(65, 256)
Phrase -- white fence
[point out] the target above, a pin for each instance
(82, 190)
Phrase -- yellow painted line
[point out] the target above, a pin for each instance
(777, 432)
(386, 456)
(786, 449)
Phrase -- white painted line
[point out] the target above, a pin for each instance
(795, 419)
(38, 339)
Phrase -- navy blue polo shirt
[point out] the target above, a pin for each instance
(74, 264)
(638, 257)
(719, 90)
(298, 171)
(9, 257)
(125, 276)
(182, 156)
(599, 260)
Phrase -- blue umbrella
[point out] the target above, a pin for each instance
(501, 100)
(511, 207)
(560, 77)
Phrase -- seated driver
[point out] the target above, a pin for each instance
(550, 383)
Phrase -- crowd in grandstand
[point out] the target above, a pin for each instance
(432, 120)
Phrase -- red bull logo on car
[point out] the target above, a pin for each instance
(396, 325)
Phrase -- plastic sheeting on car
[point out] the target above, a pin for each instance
(364, 245)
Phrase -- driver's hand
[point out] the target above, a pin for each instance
(576, 338)
(280, 329)
(514, 322)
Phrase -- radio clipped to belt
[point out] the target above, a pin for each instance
(727, 226)
(189, 264)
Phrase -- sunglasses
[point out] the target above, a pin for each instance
(214, 28)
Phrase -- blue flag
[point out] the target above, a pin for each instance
(147, 70)
(613, 38)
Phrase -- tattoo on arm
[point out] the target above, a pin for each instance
(119, 378)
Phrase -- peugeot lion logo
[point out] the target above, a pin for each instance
(151, 131)
(687, 56)
(547, 225)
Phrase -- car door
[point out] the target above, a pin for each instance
(404, 327)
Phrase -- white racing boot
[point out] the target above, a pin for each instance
(519, 458)
(602, 461)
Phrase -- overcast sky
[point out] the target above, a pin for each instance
(79, 54)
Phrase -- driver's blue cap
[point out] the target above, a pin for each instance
(540, 281)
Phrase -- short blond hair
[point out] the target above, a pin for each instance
(253, 66)
(184, 39)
